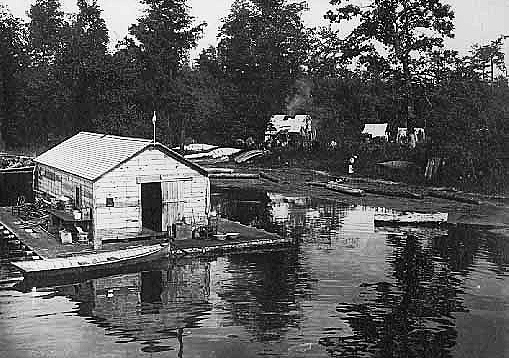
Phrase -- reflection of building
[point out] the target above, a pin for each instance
(320, 218)
(284, 207)
(146, 305)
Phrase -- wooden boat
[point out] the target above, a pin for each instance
(101, 260)
(413, 218)
(10, 283)
(342, 188)
(251, 154)
(397, 164)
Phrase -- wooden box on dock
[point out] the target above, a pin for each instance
(65, 237)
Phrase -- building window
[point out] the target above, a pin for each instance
(109, 203)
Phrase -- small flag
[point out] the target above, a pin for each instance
(154, 118)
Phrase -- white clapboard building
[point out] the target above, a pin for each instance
(126, 184)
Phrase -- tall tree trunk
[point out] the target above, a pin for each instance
(2, 142)
(407, 87)
(182, 133)
(491, 69)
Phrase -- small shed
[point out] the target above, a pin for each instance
(126, 185)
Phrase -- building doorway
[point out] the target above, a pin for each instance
(151, 206)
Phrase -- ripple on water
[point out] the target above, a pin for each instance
(348, 289)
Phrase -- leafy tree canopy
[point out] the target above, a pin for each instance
(405, 29)
(46, 23)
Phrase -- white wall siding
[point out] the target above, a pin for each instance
(123, 184)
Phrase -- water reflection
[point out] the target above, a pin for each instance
(297, 216)
(411, 312)
(148, 306)
(413, 316)
(349, 289)
(264, 291)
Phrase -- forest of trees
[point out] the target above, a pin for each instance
(58, 76)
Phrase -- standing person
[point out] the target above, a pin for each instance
(351, 163)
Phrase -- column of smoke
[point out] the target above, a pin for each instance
(300, 100)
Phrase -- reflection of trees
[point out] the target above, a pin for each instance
(249, 207)
(146, 306)
(496, 249)
(457, 248)
(463, 245)
(264, 291)
(411, 317)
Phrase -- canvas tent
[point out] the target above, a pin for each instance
(376, 130)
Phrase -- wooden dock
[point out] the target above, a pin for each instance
(237, 237)
(248, 238)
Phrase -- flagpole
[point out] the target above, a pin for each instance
(154, 125)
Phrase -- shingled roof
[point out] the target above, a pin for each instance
(91, 155)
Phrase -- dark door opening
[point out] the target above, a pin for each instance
(151, 206)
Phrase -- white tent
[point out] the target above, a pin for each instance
(376, 130)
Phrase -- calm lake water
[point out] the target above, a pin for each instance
(348, 289)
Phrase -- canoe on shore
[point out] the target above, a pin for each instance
(412, 218)
(453, 196)
(99, 260)
(251, 154)
(341, 188)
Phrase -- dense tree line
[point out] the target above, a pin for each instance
(58, 76)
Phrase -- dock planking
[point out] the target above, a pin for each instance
(47, 245)
(247, 236)
(69, 256)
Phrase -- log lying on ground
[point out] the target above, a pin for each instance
(317, 184)
(233, 176)
(269, 177)
(398, 193)
(453, 196)
(344, 189)
(219, 170)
